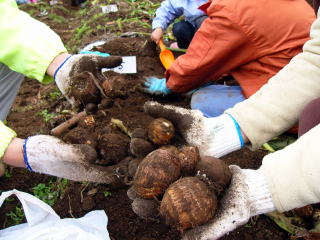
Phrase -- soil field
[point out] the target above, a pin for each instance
(39, 108)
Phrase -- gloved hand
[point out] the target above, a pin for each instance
(49, 155)
(156, 86)
(75, 65)
(213, 136)
(248, 195)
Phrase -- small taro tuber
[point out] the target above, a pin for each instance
(113, 147)
(133, 165)
(174, 150)
(189, 156)
(155, 173)
(140, 133)
(140, 147)
(84, 89)
(161, 131)
(115, 86)
(187, 203)
(132, 194)
(91, 108)
(146, 208)
(215, 169)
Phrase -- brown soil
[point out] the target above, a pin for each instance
(79, 198)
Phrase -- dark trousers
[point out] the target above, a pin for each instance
(310, 117)
(184, 31)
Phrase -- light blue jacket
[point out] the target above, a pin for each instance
(172, 9)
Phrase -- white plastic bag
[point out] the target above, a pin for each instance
(44, 224)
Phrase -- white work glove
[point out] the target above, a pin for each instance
(248, 195)
(216, 136)
(49, 155)
(82, 66)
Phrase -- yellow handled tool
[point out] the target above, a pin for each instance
(166, 56)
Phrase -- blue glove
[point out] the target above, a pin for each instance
(156, 86)
(96, 53)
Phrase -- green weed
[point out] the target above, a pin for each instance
(46, 115)
(7, 174)
(54, 95)
(107, 193)
(56, 18)
(14, 217)
(50, 193)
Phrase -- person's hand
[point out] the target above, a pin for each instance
(213, 136)
(79, 66)
(49, 155)
(156, 86)
(156, 35)
(248, 195)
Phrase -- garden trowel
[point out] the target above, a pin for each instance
(166, 56)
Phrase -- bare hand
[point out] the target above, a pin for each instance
(156, 35)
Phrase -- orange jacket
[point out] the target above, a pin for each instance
(249, 39)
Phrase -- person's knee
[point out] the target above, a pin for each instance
(183, 32)
(309, 117)
(213, 100)
(312, 106)
(180, 28)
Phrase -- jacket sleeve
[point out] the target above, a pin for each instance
(166, 14)
(293, 173)
(27, 45)
(277, 106)
(6, 136)
(210, 54)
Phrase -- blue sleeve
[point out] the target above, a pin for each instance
(166, 14)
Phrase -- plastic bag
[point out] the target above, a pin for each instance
(44, 224)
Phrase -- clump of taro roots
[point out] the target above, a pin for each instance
(175, 184)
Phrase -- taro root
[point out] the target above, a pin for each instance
(174, 150)
(155, 173)
(161, 131)
(113, 148)
(140, 133)
(188, 203)
(105, 103)
(145, 208)
(133, 165)
(132, 194)
(80, 135)
(88, 203)
(304, 212)
(215, 170)
(316, 215)
(91, 108)
(189, 157)
(83, 88)
(140, 147)
(115, 86)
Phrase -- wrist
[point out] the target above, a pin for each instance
(13, 155)
(259, 195)
(56, 63)
(224, 135)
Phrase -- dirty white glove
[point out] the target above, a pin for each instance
(74, 67)
(216, 136)
(248, 195)
(49, 155)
